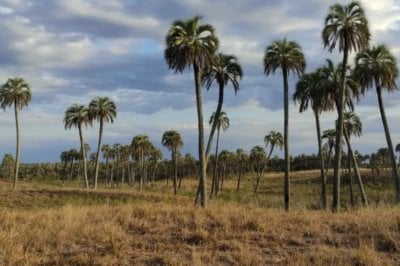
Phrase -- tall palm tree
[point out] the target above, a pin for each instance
(222, 122)
(16, 91)
(192, 44)
(378, 67)
(287, 56)
(352, 126)
(173, 141)
(310, 92)
(224, 70)
(103, 110)
(76, 116)
(347, 26)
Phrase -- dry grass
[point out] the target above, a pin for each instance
(58, 226)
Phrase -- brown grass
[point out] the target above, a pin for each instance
(47, 225)
(153, 232)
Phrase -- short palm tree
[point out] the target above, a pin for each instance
(224, 70)
(258, 158)
(141, 145)
(173, 141)
(192, 44)
(273, 139)
(378, 67)
(346, 26)
(222, 122)
(352, 126)
(310, 92)
(330, 136)
(76, 116)
(103, 110)
(16, 91)
(287, 56)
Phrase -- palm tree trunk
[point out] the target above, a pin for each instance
(356, 171)
(16, 165)
(321, 158)
(96, 173)
(396, 182)
(350, 178)
(215, 122)
(175, 169)
(339, 134)
(214, 185)
(286, 138)
(202, 159)
(83, 153)
(240, 175)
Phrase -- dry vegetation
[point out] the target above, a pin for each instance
(60, 226)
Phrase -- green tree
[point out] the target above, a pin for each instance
(173, 141)
(287, 56)
(224, 70)
(7, 165)
(103, 110)
(222, 122)
(347, 26)
(309, 92)
(15, 92)
(192, 44)
(76, 116)
(378, 67)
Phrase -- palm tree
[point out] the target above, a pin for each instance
(352, 126)
(310, 92)
(330, 135)
(103, 110)
(106, 150)
(272, 139)
(258, 158)
(224, 70)
(189, 43)
(141, 145)
(378, 67)
(16, 91)
(287, 56)
(221, 121)
(241, 158)
(173, 141)
(76, 116)
(348, 26)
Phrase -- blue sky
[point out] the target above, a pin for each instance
(73, 50)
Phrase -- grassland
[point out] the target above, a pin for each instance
(42, 224)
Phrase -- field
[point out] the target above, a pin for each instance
(56, 224)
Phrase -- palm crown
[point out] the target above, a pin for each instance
(76, 115)
(15, 91)
(376, 65)
(346, 25)
(286, 55)
(188, 42)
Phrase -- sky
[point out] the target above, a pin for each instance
(71, 51)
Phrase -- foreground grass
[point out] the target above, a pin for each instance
(169, 234)
(54, 225)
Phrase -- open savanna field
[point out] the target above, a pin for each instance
(57, 224)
